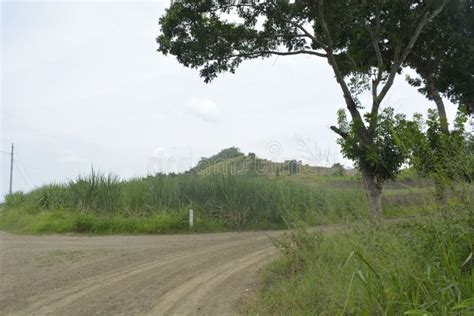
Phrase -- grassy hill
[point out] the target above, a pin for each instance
(232, 161)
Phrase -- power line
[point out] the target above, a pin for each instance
(22, 177)
(24, 167)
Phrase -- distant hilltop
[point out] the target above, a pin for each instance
(233, 161)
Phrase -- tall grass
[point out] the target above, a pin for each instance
(235, 202)
(422, 267)
(238, 202)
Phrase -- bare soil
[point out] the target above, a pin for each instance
(194, 274)
(127, 275)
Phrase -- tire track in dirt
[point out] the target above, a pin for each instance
(184, 298)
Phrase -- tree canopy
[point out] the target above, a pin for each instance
(443, 58)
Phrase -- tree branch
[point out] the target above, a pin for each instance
(280, 53)
(308, 34)
(339, 132)
(351, 105)
(375, 43)
(434, 95)
(396, 65)
(400, 59)
(305, 31)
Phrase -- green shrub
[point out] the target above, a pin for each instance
(55, 221)
(15, 199)
(84, 223)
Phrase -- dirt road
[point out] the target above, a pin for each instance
(127, 275)
(194, 274)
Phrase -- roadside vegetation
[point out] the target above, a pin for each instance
(102, 204)
(419, 266)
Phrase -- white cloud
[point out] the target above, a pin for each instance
(204, 109)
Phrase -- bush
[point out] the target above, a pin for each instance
(15, 199)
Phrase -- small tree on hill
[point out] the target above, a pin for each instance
(338, 169)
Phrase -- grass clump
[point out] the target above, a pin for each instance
(422, 267)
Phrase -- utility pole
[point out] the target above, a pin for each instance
(11, 170)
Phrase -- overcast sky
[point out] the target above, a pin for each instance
(82, 85)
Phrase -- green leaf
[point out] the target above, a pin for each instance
(417, 312)
(464, 304)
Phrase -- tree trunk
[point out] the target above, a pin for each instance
(373, 190)
(434, 94)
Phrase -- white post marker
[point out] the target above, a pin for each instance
(191, 218)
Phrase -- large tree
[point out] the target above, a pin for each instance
(366, 42)
(443, 58)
